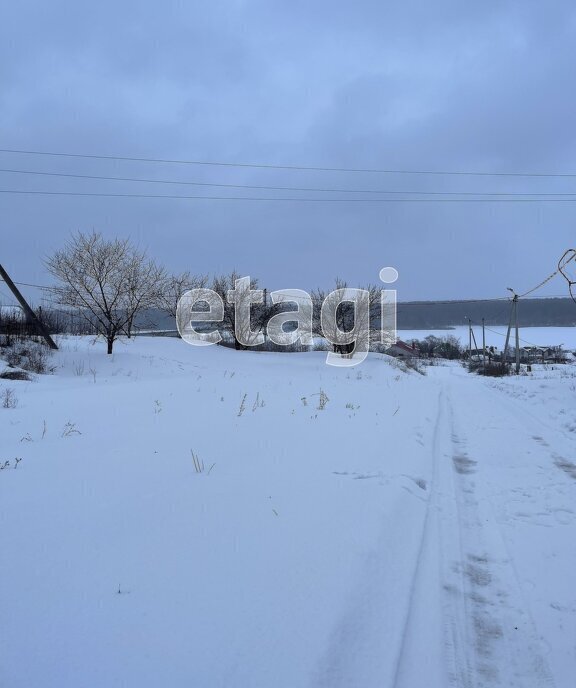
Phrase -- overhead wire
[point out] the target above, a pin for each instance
(568, 256)
(313, 168)
(259, 187)
(28, 192)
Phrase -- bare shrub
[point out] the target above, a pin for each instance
(8, 398)
(415, 364)
(79, 368)
(270, 346)
(490, 369)
(407, 364)
(15, 375)
(29, 355)
(37, 360)
(322, 400)
(13, 355)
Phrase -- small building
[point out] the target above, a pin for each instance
(543, 354)
(537, 354)
(402, 350)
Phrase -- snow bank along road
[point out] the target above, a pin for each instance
(367, 528)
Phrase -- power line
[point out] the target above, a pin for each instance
(503, 335)
(464, 301)
(561, 265)
(312, 168)
(286, 188)
(36, 286)
(568, 256)
(288, 198)
(4, 295)
(400, 304)
(538, 286)
(500, 334)
(447, 303)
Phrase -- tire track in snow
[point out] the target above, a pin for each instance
(446, 632)
(520, 411)
(505, 649)
(461, 618)
(421, 655)
(373, 643)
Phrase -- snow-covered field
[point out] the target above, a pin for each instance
(362, 528)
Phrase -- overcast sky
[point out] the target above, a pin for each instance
(415, 85)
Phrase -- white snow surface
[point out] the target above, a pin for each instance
(418, 531)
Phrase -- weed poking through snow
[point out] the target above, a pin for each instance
(258, 403)
(199, 464)
(70, 429)
(322, 400)
(9, 399)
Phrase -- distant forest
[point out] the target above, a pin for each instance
(431, 315)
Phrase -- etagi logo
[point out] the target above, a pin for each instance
(345, 318)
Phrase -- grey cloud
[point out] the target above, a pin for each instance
(447, 85)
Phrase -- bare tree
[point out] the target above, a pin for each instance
(244, 332)
(174, 286)
(345, 316)
(109, 281)
(144, 285)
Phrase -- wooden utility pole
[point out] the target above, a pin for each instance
(517, 336)
(483, 345)
(28, 312)
(512, 313)
(265, 329)
(469, 340)
(474, 340)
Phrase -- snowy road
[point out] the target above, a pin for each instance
(488, 599)
(491, 593)
(492, 638)
(417, 532)
(514, 509)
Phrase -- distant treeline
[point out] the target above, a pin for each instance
(430, 315)
(421, 315)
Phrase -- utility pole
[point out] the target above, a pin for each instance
(28, 312)
(265, 329)
(469, 340)
(512, 318)
(483, 345)
(517, 336)
(474, 340)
